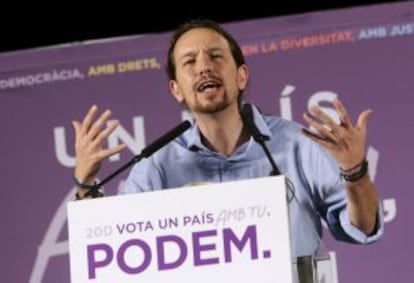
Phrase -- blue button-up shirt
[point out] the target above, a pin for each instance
(318, 187)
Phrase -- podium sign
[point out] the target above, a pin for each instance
(227, 232)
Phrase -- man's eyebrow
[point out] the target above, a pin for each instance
(192, 53)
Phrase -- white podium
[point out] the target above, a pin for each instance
(227, 232)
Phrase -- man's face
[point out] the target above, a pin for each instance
(207, 79)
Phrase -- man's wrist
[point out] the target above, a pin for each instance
(84, 185)
(355, 173)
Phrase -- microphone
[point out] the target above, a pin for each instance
(166, 138)
(146, 152)
(306, 265)
(246, 114)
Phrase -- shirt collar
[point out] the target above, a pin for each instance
(260, 122)
(193, 136)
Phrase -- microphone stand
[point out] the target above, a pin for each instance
(306, 266)
(275, 170)
(94, 192)
(247, 118)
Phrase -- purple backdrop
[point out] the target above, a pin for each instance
(362, 55)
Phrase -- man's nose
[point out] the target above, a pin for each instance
(205, 71)
(204, 65)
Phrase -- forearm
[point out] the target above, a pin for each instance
(362, 202)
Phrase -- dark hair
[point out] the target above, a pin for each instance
(202, 23)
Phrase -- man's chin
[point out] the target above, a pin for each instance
(212, 108)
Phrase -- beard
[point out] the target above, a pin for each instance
(211, 107)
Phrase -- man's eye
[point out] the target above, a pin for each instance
(190, 61)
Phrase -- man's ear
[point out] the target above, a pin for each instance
(176, 91)
(243, 76)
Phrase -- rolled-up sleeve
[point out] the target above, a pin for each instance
(356, 234)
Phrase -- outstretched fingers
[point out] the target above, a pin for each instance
(342, 113)
(88, 120)
(90, 137)
(344, 140)
(77, 127)
(363, 120)
(324, 141)
(105, 153)
(325, 133)
(97, 126)
(102, 136)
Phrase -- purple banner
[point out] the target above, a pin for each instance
(362, 55)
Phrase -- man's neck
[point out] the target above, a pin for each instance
(222, 132)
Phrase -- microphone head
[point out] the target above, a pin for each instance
(166, 138)
(246, 111)
(246, 114)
